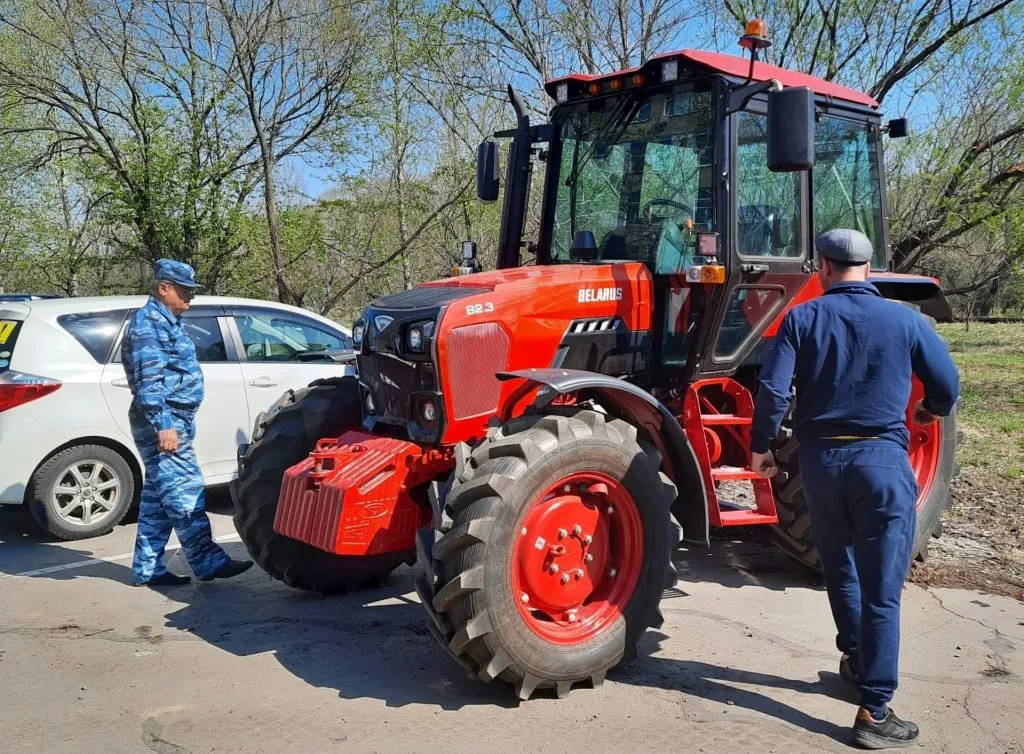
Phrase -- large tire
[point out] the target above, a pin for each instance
(282, 437)
(106, 489)
(793, 532)
(470, 564)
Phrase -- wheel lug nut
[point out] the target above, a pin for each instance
(613, 573)
(553, 568)
(572, 616)
(579, 574)
(567, 488)
(562, 534)
(577, 530)
(565, 578)
(611, 509)
(588, 558)
(524, 598)
(588, 539)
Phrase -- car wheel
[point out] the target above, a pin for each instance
(82, 491)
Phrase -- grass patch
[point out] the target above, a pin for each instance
(991, 363)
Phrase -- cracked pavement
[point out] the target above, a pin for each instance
(745, 662)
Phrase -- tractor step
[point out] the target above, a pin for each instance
(733, 474)
(712, 420)
(718, 416)
(747, 518)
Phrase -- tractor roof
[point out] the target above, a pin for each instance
(729, 65)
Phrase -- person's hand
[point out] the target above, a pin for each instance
(923, 415)
(167, 440)
(763, 464)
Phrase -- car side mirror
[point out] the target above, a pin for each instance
(790, 129)
(487, 171)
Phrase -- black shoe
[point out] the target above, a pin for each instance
(166, 579)
(888, 733)
(848, 670)
(229, 569)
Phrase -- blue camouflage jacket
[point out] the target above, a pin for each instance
(161, 365)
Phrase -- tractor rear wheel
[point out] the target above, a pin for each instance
(548, 558)
(282, 437)
(932, 456)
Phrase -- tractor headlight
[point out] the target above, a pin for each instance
(414, 339)
(357, 333)
(429, 411)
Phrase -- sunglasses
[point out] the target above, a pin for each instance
(186, 294)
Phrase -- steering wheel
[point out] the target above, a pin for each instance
(647, 210)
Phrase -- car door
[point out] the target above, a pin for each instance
(223, 421)
(274, 347)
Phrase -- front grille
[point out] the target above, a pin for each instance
(476, 353)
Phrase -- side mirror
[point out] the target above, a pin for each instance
(897, 128)
(487, 171)
(790, 129)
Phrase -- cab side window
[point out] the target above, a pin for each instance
(767, 203)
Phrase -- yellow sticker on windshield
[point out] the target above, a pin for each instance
(6, 328)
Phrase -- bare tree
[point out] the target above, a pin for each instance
(132, 90)
(294, 65)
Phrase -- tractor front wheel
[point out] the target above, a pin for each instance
(550, 554)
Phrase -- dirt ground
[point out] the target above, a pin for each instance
(744, 663)
(982, 545)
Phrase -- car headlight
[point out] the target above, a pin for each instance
(357, 333)
(414, 339)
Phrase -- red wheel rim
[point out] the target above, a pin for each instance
(577, 558)
(925, 446)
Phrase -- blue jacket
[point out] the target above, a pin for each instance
(852, 354)
(161, 365)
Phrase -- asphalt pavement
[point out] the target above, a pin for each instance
(744, 663)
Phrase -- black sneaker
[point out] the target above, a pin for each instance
(166, 579)
(230, 569)
(888, 733)
(848, 670)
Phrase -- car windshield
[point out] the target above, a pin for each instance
(637, 173)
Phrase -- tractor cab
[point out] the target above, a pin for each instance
(713, 171)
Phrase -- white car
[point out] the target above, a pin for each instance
(66, 449)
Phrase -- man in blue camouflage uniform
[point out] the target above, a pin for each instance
(167, 387)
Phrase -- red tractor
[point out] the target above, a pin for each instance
(537, 435)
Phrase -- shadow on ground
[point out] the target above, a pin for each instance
(375, 643)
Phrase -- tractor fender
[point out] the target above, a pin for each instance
(650, 416)
(920, 290)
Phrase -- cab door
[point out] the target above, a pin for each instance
(769, 248)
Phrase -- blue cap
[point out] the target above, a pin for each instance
(176, 272)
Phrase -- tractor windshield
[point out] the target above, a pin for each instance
(637, 172)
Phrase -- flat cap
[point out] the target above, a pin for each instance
(844, 245)
(176, 272)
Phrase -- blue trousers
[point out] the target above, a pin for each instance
(173, 497)
(862, 497)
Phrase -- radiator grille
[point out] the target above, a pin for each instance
(476, 353)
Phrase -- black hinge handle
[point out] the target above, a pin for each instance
(754, 269)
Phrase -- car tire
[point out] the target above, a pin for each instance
(82, 491)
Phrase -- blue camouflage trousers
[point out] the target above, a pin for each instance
(173, 497)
